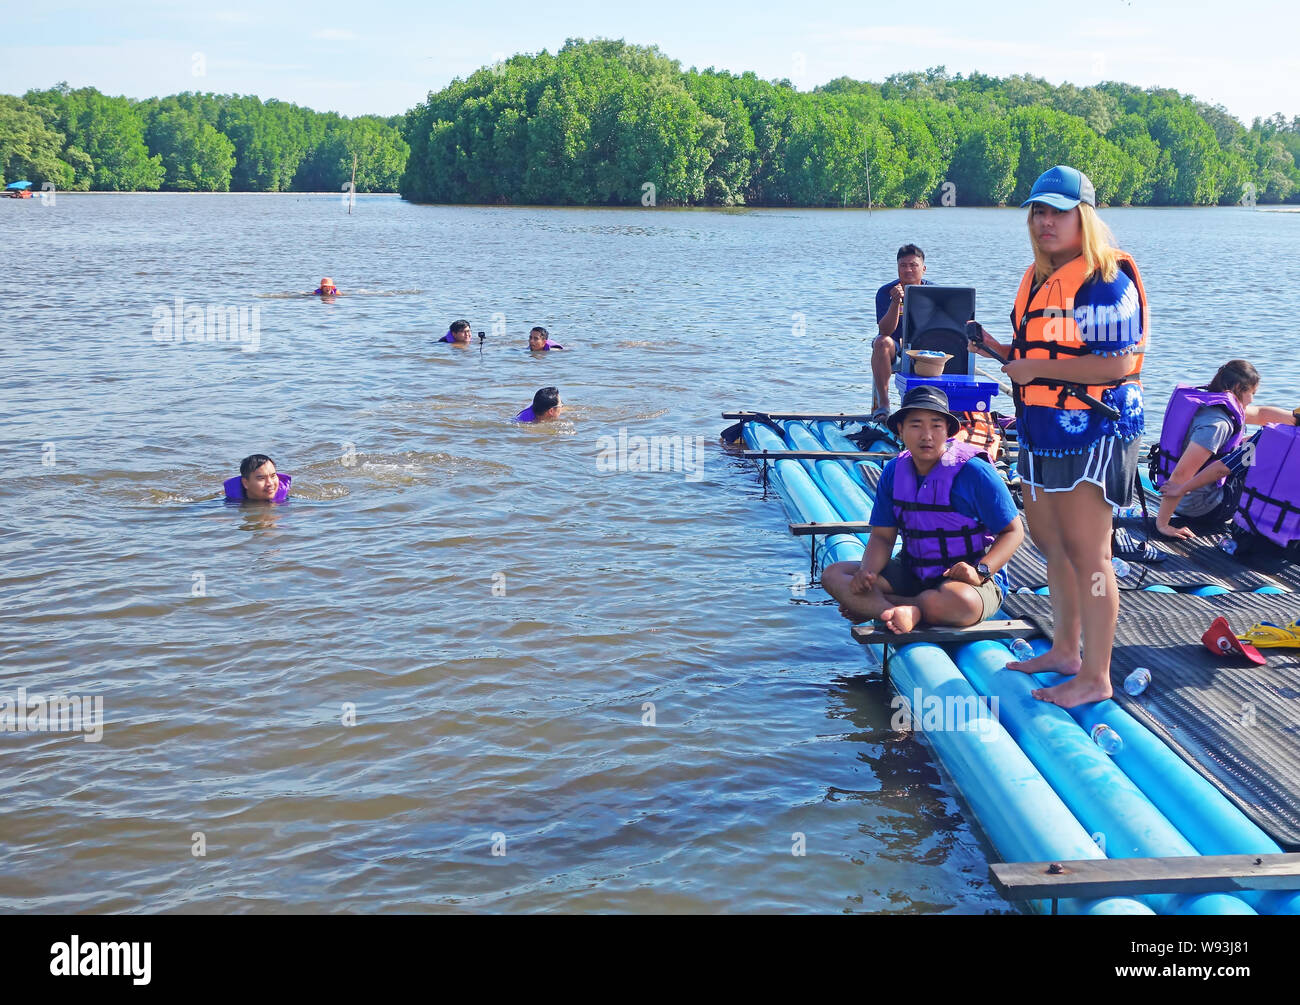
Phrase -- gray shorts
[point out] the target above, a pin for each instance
(903, 583)
(1110, 464)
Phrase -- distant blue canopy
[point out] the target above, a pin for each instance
(18, 184)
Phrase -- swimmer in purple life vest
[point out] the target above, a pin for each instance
(326, 289)
(539, 340)
(546, 406)
(458, 332)
(258, 482)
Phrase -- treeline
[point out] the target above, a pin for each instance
(83, 140)
(598, 121)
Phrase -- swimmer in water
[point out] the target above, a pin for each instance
(326, 289)
(458, 332)
(539, 340)
(546, 406)
(258, 481)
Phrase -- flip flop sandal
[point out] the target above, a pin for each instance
(1267, 635)
(1124, 545)
(1294, 629)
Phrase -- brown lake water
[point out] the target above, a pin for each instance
(427, 683)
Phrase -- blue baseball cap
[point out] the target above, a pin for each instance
(1062, 187)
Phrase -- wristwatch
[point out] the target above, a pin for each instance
(984, 573)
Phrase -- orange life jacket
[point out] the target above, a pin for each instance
(980, 430)
(1046, 329)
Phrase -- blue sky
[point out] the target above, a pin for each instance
(383, 57)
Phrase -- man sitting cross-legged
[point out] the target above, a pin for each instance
(944, 496)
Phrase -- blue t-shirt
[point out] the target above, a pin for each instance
(978, 492)
(883, 298)
(1109, 317)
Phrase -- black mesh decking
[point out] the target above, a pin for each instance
(1236, 723)
(1265, 561)
(1189, 564)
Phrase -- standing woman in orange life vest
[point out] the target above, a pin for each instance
(1081, 324)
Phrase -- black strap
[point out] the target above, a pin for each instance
(920, 507)
(1142, 497)
(949, 557)
(1284, 506)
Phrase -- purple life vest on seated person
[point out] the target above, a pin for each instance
(1270, 496)
(526, 415)
(235, 489)
(935, 536)
(1184, 403)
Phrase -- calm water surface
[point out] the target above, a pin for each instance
(497, 611)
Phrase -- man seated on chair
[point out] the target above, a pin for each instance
(889, 316)
(946, 498)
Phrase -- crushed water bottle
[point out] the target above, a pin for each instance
(1021, 650)
(1136, 682)
(1107, 739)
(1121, 567)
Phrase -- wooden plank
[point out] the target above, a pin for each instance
(1108, 877)
(809, 416)
(808, 529)
(817, 455)
(944, 634)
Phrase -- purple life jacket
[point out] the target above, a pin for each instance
(1270, 496)
(235, 489)
(320, 292)
(549, 345)
(526, 415)
(1184, 403)
(936, 536)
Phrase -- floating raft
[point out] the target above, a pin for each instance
(1236, 723)
(1046, 796)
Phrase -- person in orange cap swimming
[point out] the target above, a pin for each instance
(326, 288)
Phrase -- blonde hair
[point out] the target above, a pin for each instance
(1099, 251)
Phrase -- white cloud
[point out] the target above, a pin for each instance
(334, 35)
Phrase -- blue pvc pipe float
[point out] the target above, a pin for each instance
(1101, 796)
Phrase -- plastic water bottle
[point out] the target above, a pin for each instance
(1021, 650)
(1228, 545)
(1136, 682)
(1107, 739)
(1121, 567)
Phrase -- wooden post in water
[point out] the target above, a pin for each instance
(352, 192)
